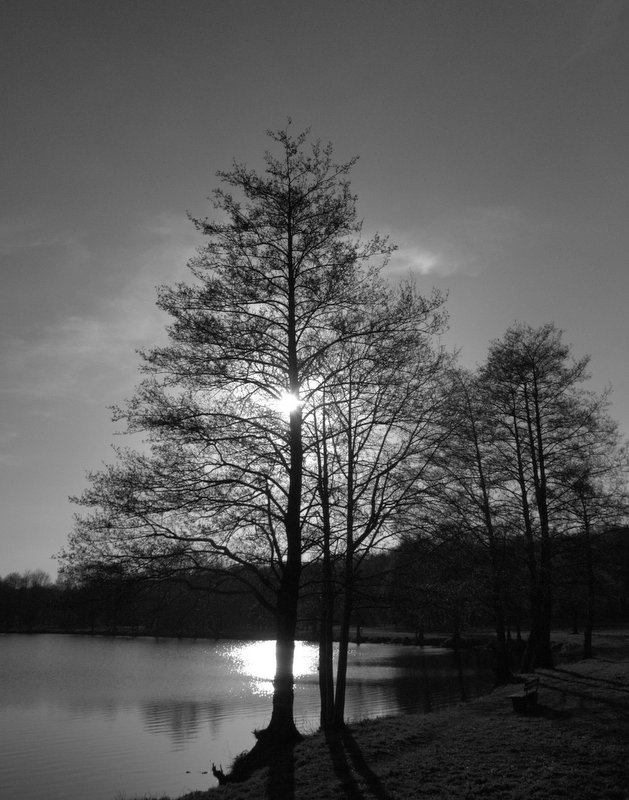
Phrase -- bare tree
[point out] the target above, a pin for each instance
(283, 279)
(541, 413)
(378, 426)
(594, 494)
(470, 498)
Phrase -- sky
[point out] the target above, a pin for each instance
(492, 137)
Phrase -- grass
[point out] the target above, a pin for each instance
(575, 745)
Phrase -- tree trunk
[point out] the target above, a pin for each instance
(326, 634)
(326, 647)
(282, 728)
(341, 668)
(503, 667)
(326, 671)
(538, 652)
(538, 460)
(589, 613)
(348, 583)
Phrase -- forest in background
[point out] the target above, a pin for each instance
(421, 588)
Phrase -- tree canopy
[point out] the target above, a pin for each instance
(287, 314)
(303, 416)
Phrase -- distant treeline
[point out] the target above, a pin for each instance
(424, 585)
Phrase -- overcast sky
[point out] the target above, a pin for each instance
(493, 142)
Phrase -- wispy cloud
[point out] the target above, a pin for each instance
(90, 355)
(416, 259)
(600, 27)
(23, 233)
(464, 242)
(17, 232)
(8, 437)
(63, 361)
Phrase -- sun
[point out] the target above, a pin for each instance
(287, 402)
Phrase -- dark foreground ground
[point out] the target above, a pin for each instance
(574, 746)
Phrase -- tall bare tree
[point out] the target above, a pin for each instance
(470, 497)
(541, 414)
(379, 424)
(283, 279)
(593, 489)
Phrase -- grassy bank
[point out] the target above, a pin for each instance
(576, 745)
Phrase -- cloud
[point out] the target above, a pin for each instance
(23, 233)
(467, 241)
(8, 438)
(86, 358)
(17, 232)
(601, 26)
(64, 361)
(416, 259)
(112, 314)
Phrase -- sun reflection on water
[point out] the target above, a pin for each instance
(256, 661)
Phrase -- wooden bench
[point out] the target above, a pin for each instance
(527, 698)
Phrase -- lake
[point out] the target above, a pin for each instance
(100, 718)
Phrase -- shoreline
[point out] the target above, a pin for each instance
(402, 638)
(575, 745)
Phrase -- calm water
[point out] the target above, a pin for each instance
(103, 718)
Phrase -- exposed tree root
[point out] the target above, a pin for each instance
(268, 751)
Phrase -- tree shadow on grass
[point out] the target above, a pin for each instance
(541, 710)
(591, 680)
(586, 688)
(278, 759)
(349, 762)
(281, 779)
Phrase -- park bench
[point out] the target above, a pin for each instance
(527, 698)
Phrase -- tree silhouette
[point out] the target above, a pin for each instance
(283, 281)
